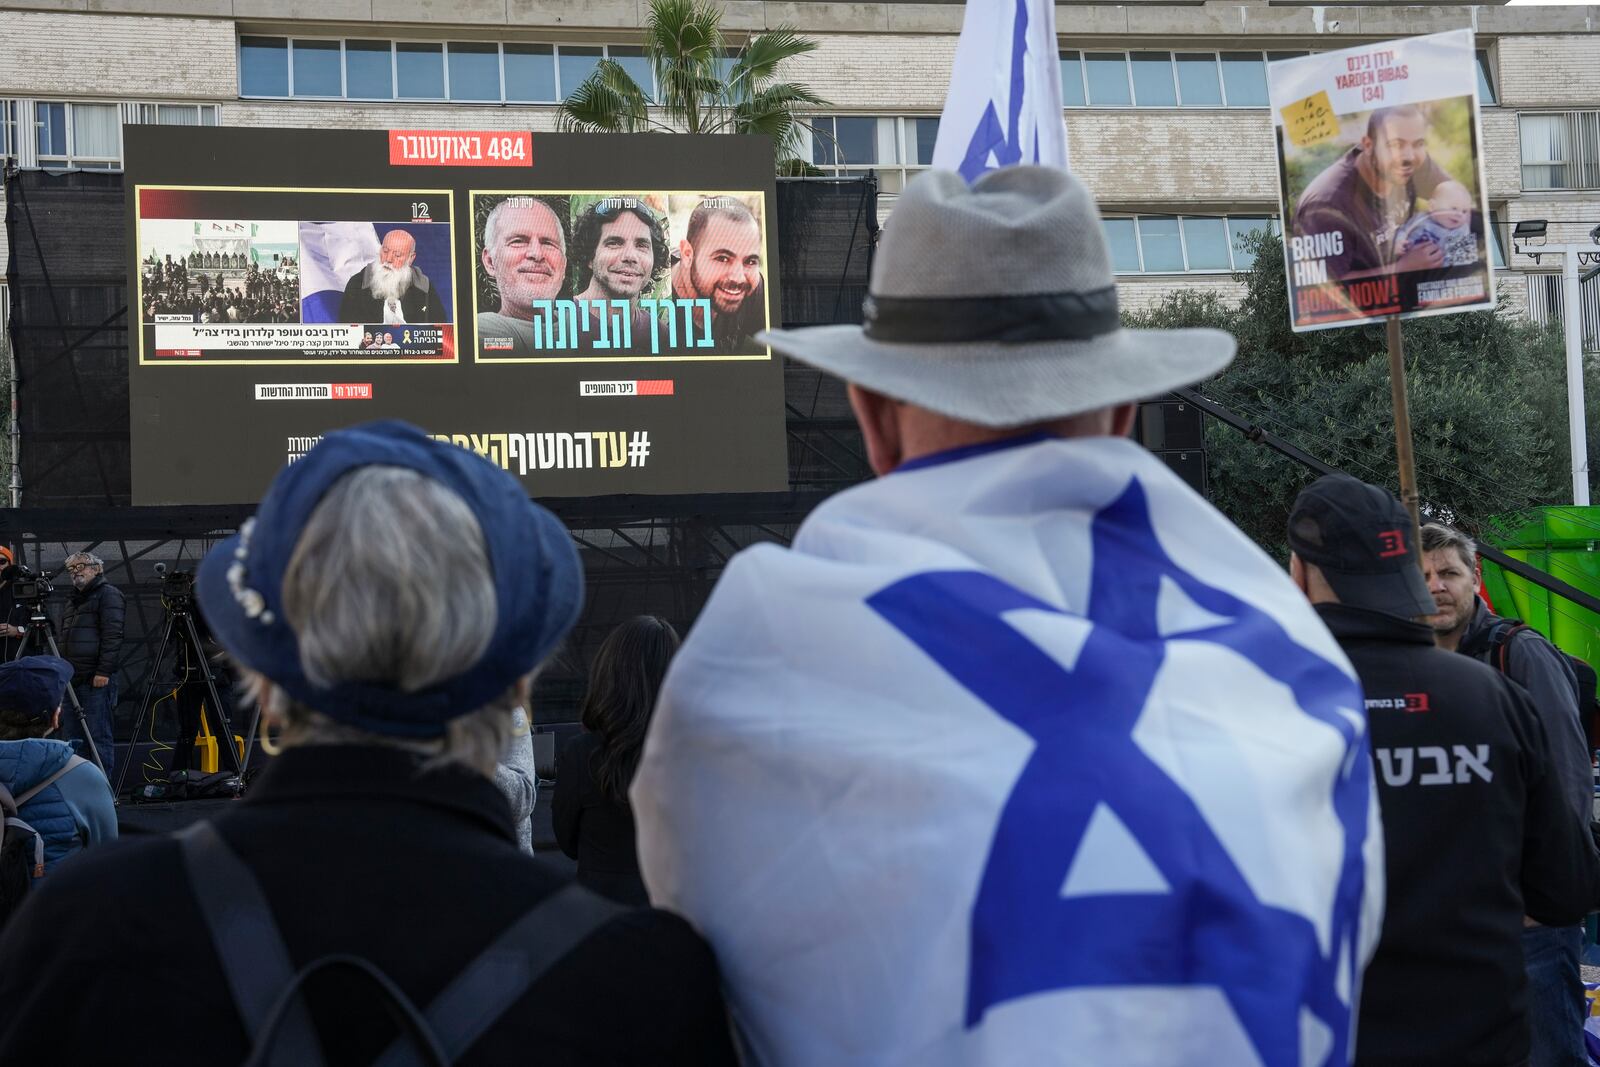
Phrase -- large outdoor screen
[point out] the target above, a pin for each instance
(580, 309)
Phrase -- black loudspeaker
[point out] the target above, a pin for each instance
(1175, 431)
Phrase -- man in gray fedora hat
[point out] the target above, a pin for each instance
(1020, 753)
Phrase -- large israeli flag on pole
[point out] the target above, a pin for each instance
(1004, 104)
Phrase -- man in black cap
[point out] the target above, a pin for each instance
(1473, 814)
(63, 797)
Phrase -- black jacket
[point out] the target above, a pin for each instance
(91, 630)
(1476, 833)
(592, 828)
(359, 852)
(1540, 668)
(419, 303)
(14, 614)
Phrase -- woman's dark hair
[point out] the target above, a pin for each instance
(623, 684)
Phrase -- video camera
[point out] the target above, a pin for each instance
(177, 588)
(28, 586)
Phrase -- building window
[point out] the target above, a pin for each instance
(1561, 151)
(369, 70)
(1161, 244)
(1547, 298)
(169, 114)
(1244, 79)
(1153, 84)
(86, 135)
(895, 147)
(1182, 244)
(1072, 90)
(81, 136)
(1166, 79)
(1107, 76)
(474, 72)
(574, 64)
(8, 129)
(530, 73)
(264, 66)
(1485, 79)
(318, 68)
(419, 71)
(637, 64)
(461, 71)
(1199, 80)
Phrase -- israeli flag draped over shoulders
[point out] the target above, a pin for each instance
(1004, 102)
(1019, 755)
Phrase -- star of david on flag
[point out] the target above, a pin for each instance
(1004, 101)
(1024, 757)
(1032, 894)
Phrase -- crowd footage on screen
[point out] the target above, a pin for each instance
(1021, 746)
(220, 288)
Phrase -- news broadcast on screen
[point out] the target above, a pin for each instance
(500, 290)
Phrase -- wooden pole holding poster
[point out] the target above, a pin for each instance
(1402, 431)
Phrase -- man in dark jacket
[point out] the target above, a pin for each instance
(13, 616)
(1477, 829)
(391, 289)
(1464, 623)
(91, 638)
(379, 833)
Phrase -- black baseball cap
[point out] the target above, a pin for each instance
(1361, 538)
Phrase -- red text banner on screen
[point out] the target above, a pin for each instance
(271, 309)
(460, 148)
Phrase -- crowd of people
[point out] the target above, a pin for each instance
(1020, 753)
(222, 288)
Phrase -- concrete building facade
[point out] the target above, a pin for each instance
(1165, 103)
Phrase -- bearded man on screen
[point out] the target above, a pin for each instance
(391, 289)
(719, 260)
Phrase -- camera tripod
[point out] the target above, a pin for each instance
(180, 624)
(38, 632)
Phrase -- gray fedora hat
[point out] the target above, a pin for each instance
(996, 305)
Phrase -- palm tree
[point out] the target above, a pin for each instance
(705, 86)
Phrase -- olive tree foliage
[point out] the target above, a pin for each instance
(1487, 398)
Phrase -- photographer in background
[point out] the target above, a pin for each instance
(91, 637)
(13, 616)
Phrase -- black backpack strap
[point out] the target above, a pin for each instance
(500, 975)
(10, 823)
(401, 1010)
(255, 961)
(1502, 643)
(1488, 644)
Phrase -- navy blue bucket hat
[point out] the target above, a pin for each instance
(34, 685)
(537, 577)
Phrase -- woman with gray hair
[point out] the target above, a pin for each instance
(388, 607)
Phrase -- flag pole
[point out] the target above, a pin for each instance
(1402, 428)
